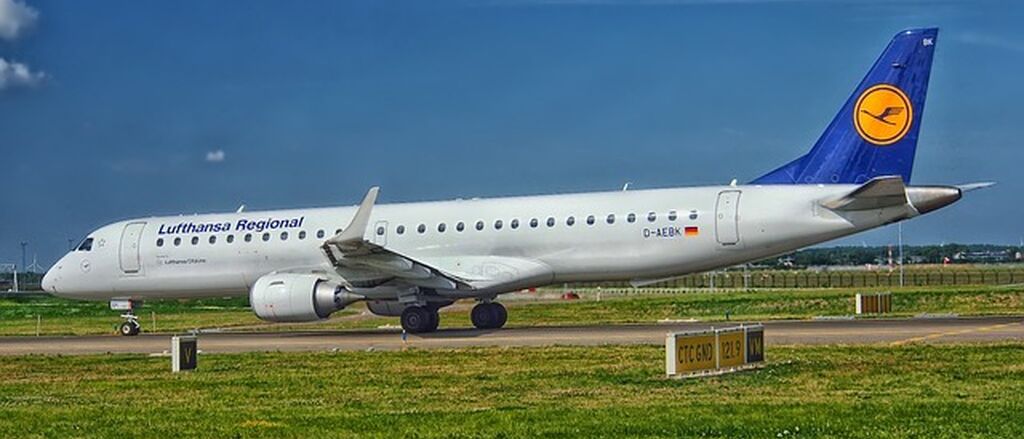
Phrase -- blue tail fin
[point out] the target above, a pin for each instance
(875, 133)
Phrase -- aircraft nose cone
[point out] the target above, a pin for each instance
(48, 283)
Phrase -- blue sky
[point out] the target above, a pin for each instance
(119, 109)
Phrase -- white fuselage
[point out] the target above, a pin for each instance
(653, 234)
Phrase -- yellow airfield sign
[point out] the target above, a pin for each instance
(696, 352)
(730, 348)
(707, 351)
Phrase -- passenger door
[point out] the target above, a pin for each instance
(727, 217)
(131, 237)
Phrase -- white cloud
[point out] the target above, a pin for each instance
(215, 156)
(13, 74)
(15, 17)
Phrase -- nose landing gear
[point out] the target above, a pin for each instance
(131, 324)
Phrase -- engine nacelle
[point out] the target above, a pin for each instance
(288, 297)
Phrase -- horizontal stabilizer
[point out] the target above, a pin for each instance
(879, 192)
(975, 186)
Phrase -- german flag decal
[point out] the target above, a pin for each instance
(691, 231)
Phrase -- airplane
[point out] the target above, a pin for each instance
(411, 259)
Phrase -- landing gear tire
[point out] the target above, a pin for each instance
(129, 328)
(419, 319)
(500, 314)
(435, 320)
(489, 315)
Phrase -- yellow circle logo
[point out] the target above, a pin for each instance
(883, 114)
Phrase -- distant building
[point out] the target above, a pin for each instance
(985, 256)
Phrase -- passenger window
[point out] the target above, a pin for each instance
(422, 228)
(266, 237)
(551, 221)
(460, 226)
(611, 218)
(195, 240)
(631, 218)
(400, 230)
(302, 234)
(497, 225)
(380, 230)
(231, 238)
(514, 223)
(533, 222)
(337, 231)
(441, 228)
(86, 245)
(284, 236)
(479, 225)
(248, 237)
(160, 242)
(213, 239)
(651, 216)
(570, 221)
(320, 234)
(671, 215)
(177, 242)
(693, 214)
(590, 220)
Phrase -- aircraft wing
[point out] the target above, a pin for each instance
(350, 250)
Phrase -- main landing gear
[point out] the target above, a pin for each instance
(420, 319)
(489, 315)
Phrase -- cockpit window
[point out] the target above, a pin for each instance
(86, 245)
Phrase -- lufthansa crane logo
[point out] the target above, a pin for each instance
(883, 114)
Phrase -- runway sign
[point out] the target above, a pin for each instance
(713, 350)
(755, 344)
(731, 347)
(694, 352)
(184, 353)
(874, 303)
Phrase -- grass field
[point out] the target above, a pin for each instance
(609, 391)
(18, 316)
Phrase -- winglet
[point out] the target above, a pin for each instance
(356, 230)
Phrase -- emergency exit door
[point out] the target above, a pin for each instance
(727, 218)
(130, 239)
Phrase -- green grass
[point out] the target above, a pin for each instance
(62, 317)
(931, 391)
(769, 304)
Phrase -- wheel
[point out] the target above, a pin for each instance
(500, 314)
(481, 316)
(416, 319)
(489, 315)
(435, 319)
(129, 327)
(137, 328)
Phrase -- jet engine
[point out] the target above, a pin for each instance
(289, 297)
